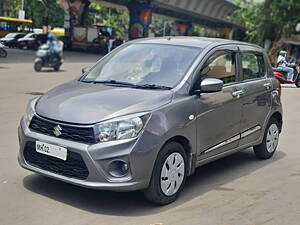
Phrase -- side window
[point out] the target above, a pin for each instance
(253, 65)
(222, 66)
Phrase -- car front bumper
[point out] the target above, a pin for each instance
(97, 159)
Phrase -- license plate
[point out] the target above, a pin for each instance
(51, 150)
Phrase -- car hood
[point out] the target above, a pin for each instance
(6, 39)
(88, 103)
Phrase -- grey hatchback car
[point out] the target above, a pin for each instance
(150, 112)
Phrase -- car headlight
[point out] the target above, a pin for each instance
(30, 110)
(121, 128)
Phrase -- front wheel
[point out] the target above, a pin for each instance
(38, 66)
(169, 174)
(3, 53)
(269, 145)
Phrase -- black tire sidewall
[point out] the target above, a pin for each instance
(297, 82)
(38, 66)
(3, 53)
(154, 186)
(261, 151)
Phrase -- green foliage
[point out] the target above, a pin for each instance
(271, 19)
(108, 16)
(249, 15)
(158, 25)
(37, 9)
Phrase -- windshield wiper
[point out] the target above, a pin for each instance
(155, 86)
(127, 84)
(115, 82)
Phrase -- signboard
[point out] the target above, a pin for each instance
(80, 34)
(85, 34)
(22, 14)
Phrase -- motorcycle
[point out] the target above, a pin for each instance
(46, 59)
(282, 75)
(3, 52)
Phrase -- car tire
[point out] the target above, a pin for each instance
(3, 53)
(269, 144)
(56, 68)
(167, 180)
(297, 82)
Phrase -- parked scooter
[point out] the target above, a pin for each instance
(3, 52)
(46, 59)
(282, 75)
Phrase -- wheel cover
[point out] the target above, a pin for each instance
(272, 138)
(172, 174)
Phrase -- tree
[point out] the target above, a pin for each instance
(248, 17)
(37, 10)
(107, 16)
(271, 20)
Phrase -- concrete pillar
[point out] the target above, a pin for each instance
(75, 11)
(140, 13)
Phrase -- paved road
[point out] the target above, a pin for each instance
(237, 190)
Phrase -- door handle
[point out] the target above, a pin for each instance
(237, 94)
(267, 86)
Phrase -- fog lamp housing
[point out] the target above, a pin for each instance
(118, 168)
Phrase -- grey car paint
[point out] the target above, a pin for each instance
(198, 121)
(96, 102)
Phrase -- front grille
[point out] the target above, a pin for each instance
(73, 167)
(69, 132)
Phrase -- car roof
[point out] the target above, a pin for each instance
(200, 42)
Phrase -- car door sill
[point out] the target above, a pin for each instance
(250, 131)
(228, 141)
(233, 139)
(202, 162)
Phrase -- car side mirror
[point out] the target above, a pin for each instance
(85, 70)
(209, 85)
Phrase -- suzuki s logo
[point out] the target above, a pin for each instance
(57, 130)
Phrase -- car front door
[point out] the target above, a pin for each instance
(257, 98)
(219, 117)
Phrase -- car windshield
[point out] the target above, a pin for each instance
(11, 35)
(29, 35)
(144, 64)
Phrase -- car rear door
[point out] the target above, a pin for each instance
(257, 88)
(219, 117)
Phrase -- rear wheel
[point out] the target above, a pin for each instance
(56, 68)
(268, 147)
(168, 176)
(297, 82)
(38, 66)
